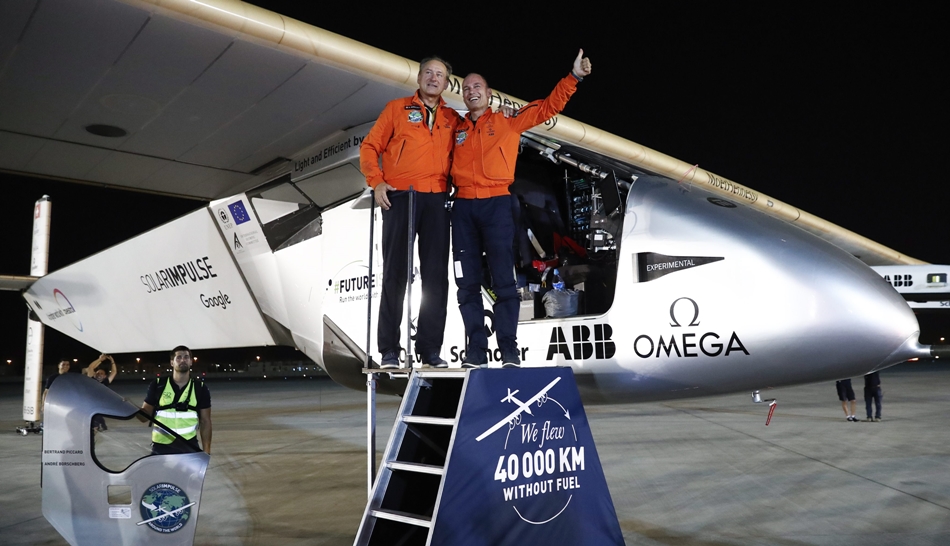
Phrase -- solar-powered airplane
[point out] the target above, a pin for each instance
(690, 284)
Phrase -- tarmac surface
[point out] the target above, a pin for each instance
(288, 466)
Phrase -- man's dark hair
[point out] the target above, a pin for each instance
(448, 67)
(171, 355)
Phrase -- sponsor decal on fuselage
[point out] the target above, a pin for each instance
(235, 214)
(652, 266)
(730, 187)
(351, 289)
(457, 354)
(224, 218)
(596, 341)
(196, 270)
(686, 343)
(64, 308)
(354, 284)
(238, 212)
(305, 163)
(221, 300)
(580, 346)
(898, 281)
(329, 150)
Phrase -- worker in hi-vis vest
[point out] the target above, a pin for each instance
(181, 403)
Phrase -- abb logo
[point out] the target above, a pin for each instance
(580, 344)
(900, 280)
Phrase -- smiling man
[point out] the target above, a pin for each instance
(412, 138)
(486, 148)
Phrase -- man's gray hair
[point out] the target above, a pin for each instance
(448, 67)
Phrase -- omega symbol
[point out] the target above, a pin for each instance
(676, 323)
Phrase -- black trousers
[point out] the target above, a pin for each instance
(431, 222)
(485, 225)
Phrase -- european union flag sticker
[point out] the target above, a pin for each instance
(239, 212)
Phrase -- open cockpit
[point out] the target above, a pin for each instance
(568, 206)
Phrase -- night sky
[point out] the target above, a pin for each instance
(838, 111)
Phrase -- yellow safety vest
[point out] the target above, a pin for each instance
(184, 423)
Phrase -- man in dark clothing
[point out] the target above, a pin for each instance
(100, 375)
(872, 391)
(181, 403)
(98, 422)
(412, 138)
(62, 368)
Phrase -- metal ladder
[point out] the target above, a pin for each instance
(405, 498)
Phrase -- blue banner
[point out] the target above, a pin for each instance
(523, 468)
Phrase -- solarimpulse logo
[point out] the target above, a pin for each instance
(176, 275)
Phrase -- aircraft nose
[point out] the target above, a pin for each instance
(875, 316)
(848, 319)
(788, 307)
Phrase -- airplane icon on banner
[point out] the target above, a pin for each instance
(522, 407)
(511, 398)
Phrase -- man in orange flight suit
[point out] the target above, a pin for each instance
(413, 136)
(486, 147)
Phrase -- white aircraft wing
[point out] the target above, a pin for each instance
(211, 99)
(176, 284)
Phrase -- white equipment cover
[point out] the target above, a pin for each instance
(153, 501)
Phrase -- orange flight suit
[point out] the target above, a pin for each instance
(412, 155)
(485, 152)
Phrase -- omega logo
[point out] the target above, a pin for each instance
(685, 343)
(675, 323)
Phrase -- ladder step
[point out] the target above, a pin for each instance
(402, 517)
(416, 467)
(441, 373)
(424, 420)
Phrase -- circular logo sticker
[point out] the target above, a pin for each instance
(415, 116)
(165, 508)
(460, 138)
(66, 309)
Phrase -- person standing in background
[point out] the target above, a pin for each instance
(873, 392)
(846, 394)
